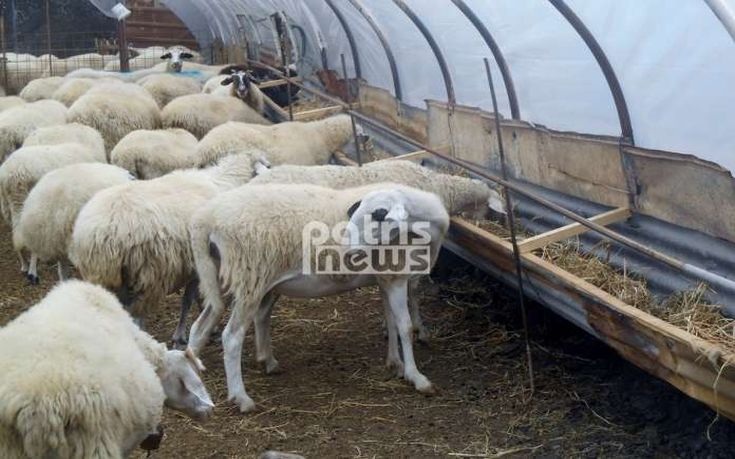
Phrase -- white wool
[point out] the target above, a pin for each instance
(18, 122)
(25, 167)
(214, 86)
(21, 69)
(167, 86)
(151, 154)
(51, 208)
(74, 88)
(41, 88)
(285, 143)
(7, 102)
(457, 193)
(68, 133)
(115, 110)
(139, 232)
(200, 113)
(79, 378)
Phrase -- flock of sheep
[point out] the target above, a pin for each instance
(173, 178)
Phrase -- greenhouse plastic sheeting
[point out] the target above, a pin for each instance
(675, 60)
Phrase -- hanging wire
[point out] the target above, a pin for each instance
(512, 228)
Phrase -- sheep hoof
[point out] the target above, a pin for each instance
(244, 403)
(427, 388)
(33, 279)
(271, 367)
(396, 366)
(422, 335)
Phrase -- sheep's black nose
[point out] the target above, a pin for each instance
(379, 215)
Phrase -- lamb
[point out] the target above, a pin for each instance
(41, 88)
(18, 122)
(115, 110)
(257, 236)
(285, 143)
(200, 113)
(151, 154)
(7, 102)
(51, 208)
(166, 87)
(134, 238)
(68, 133)
(81, 380)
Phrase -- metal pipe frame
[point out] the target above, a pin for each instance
(443, 66)
(724, 13)
(510, 88)
(626, 126)
(350, 37)
(358, 5)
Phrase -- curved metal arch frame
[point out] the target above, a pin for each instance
(443, 66)
(724, 13)
(505, 72)
(317, 32)
(350, 37)
(626, 126)
(358, 5)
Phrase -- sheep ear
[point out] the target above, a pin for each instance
(186, 55)
(166, 56)
(226, 81)
(353, 208)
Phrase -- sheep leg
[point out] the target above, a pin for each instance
(233, 337)
(61, 270)
(419, 328)
(262, 323)
(397, 292)
(191, 291)
(393, 361)
(23, 264)
(32, 275)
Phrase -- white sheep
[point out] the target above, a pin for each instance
(214, 86)
(51, 208)
(151, 154)
(7, 102)
(116, 109)
(240, 84)
(74, 88)
(41, 88)
(284, 143)
(250, 242)
(200, 113)
(134, 238)
(18, 122)
(167, 86)
(68, 133)
(81, 380)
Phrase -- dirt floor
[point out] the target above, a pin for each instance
(334, 398)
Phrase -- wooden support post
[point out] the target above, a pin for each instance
(317, 113)
(565, 232)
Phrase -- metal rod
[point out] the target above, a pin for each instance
(48, 38)
(348, 90)
(281, 31)
(512, 227)
(713, 279)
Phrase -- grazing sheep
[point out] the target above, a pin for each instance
(151, 154)
(18, 122)
(68, 133)
(81, 380)
(115, 110)
(255, 234)
(134, 238)
(41, 88)
(74, 88)
(51, 208)
(166, 87)
(200, 113)
(285, 143)
(7, 102)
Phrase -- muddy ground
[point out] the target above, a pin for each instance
(334, 398)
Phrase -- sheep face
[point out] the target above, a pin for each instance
(176, 59)
(241, 81)
(183, 387)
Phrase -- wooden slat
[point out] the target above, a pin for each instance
(279, 82)
(414, 155)
(317, 113)
(558, 234)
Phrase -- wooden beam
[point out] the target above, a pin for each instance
(279, 82)
(341, 158)
(317, 113)
(415, 155)
(565, 232)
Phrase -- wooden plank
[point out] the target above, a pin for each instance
(415, 155)
(341, 158)
(279, 82)
(317, 113)
(565, 232)
(157, 25)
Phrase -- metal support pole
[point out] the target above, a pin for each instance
(281, 31)
(48, 38)
(348, 90)
(4, 50)
(512, 227)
